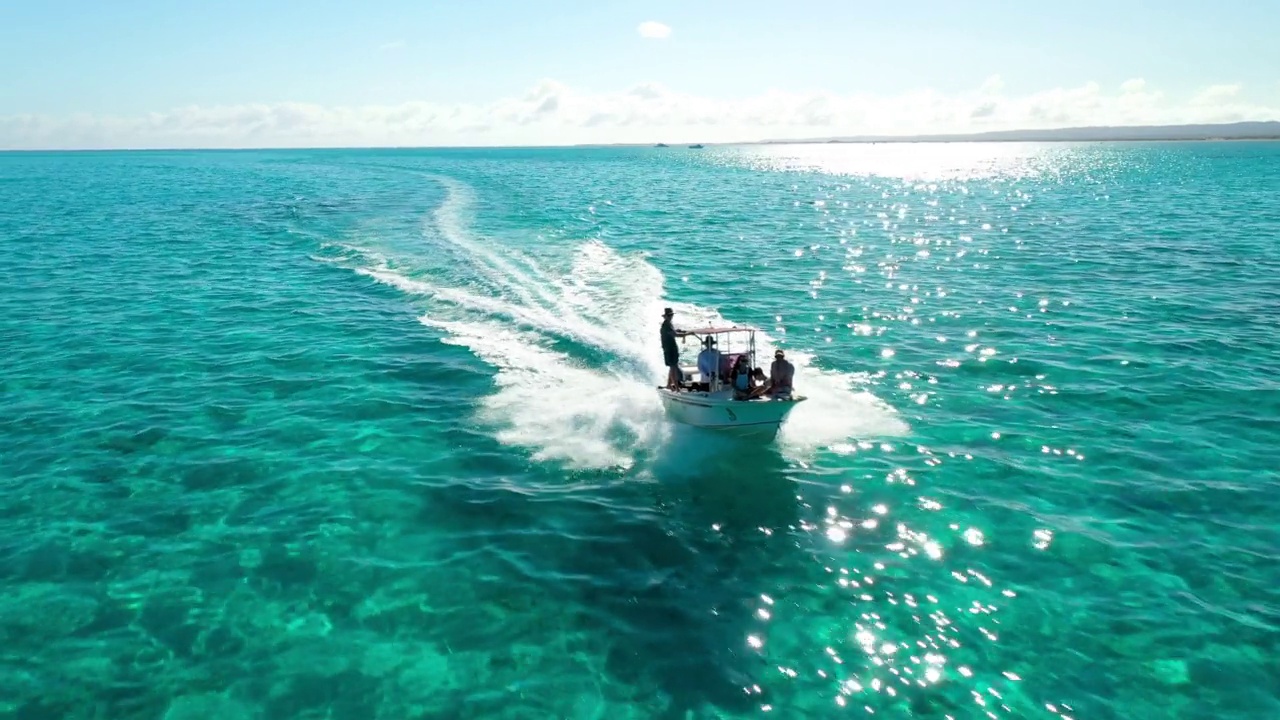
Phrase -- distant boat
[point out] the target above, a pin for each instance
(696, 147)
(661, 145)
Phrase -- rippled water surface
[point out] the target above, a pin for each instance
(373, 434)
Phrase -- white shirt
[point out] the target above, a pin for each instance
(708, 363)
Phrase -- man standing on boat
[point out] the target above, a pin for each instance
(671, 353)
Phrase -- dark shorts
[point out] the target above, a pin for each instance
(671, 359)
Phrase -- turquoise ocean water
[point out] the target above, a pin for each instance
(373, 434)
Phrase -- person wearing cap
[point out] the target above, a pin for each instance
(670, 352)
(781, 374)
(709, 360)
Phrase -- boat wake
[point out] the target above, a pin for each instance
(572, 339)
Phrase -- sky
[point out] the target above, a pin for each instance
(282, 73)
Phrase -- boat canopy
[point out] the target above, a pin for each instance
(729, 354)
(720, 330)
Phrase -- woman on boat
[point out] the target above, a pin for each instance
(741, 379)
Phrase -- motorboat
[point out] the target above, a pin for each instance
(711, 402)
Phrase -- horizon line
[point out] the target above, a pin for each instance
(1202, 134)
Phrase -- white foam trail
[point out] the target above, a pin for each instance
(583, 417)
(450, 219)
(398, 281)
(835, 411)
(598, 411)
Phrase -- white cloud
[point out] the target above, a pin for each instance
(985, 110)
(654, 30)
(647, 91)
(552, 113)
(393, 45)
(1216, 95)
(1133, 85)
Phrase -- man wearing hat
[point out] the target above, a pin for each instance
(781, 375)
(708, 362)
(671, 353)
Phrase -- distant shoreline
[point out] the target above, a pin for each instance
(1219, 132)
(911, 141)
(1260, 131)
(747, 143)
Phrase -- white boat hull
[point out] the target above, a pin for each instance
(720, 411)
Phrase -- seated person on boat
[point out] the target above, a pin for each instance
(781, 375)
(741, 379)
(777, 385)
(708, 362)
